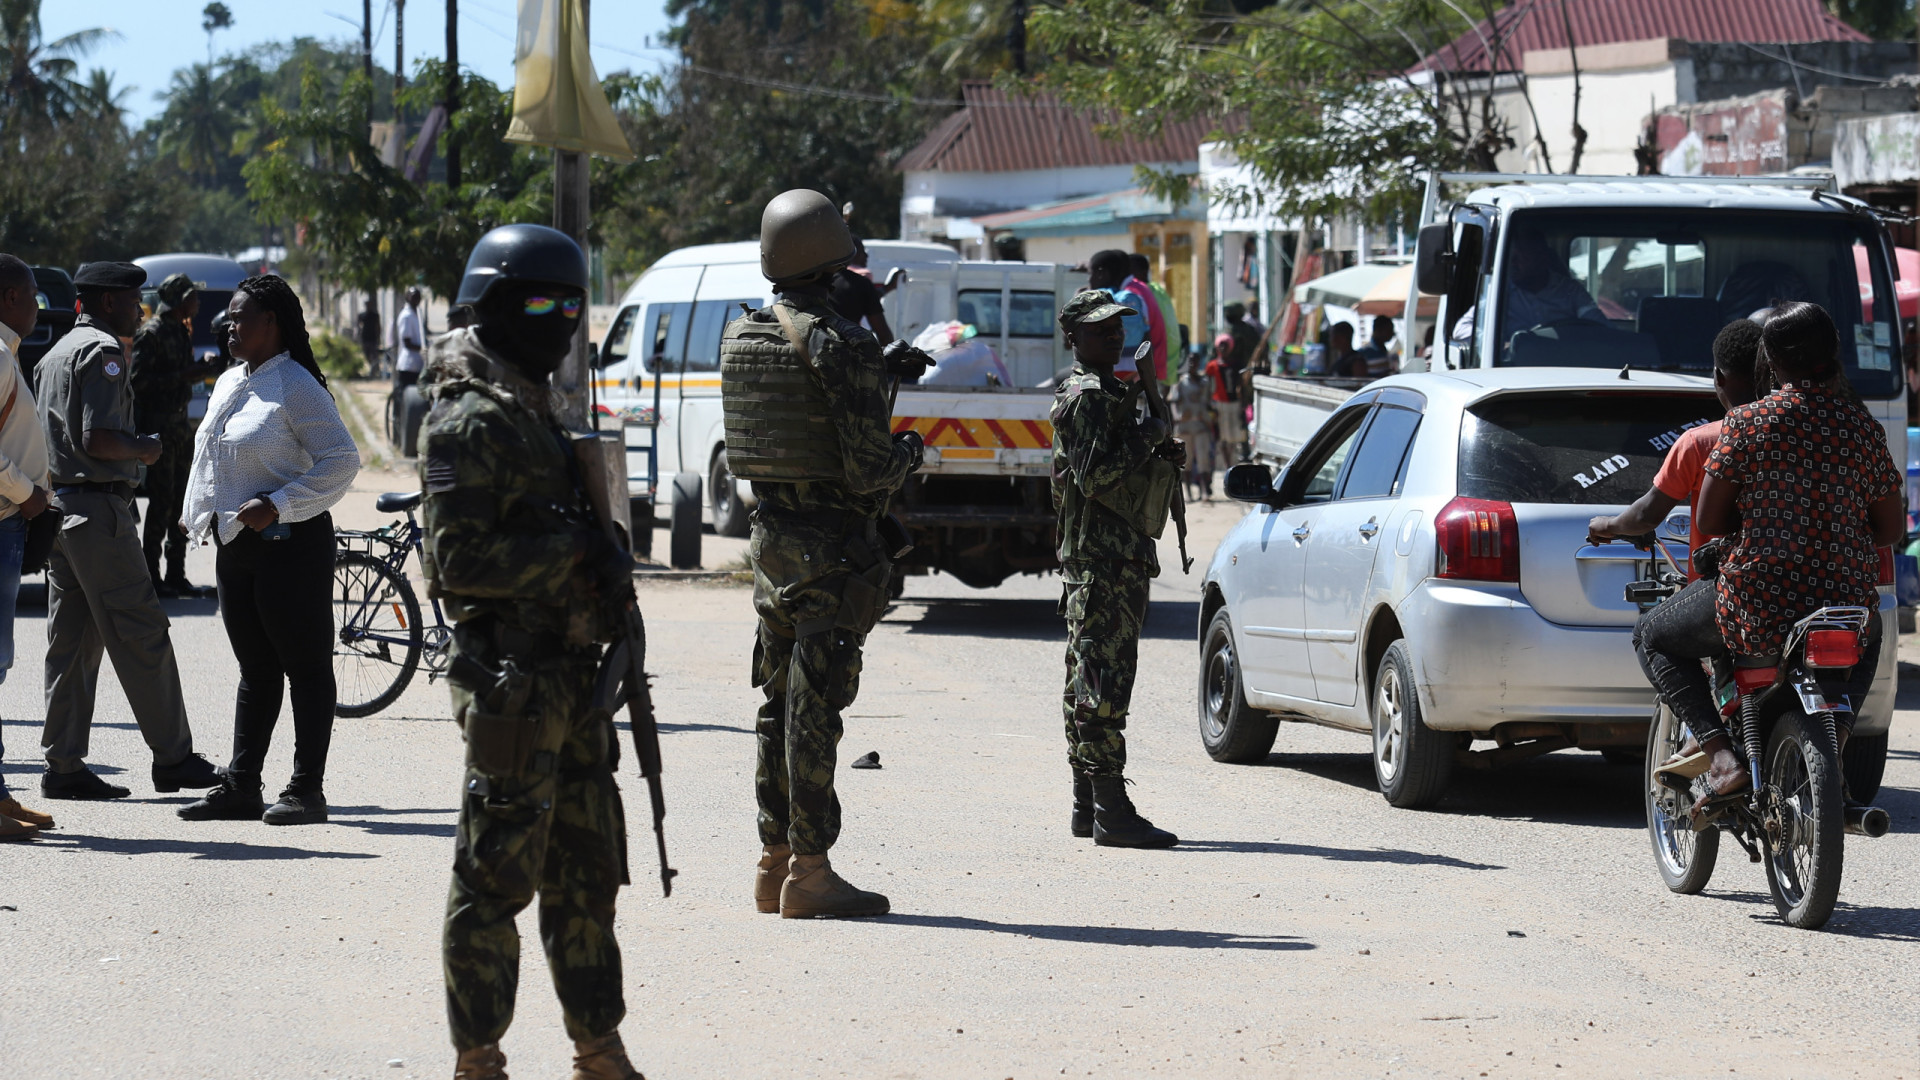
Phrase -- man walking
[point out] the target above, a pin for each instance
(99, 594)
(409, 340)
(23, 491)
(1174, 333)
(367, 329)
(163, 375)
(807, 419)
(529, 582)
(1112, 488)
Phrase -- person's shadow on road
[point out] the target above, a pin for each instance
(1111, 935)
(199, 849)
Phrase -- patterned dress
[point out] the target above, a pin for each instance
(1809, 463)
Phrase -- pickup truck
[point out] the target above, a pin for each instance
(979, 509)
(1627, 273)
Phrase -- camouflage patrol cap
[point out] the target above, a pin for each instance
(176, 290)
(1092, 306)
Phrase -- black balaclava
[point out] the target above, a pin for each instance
(534, 344)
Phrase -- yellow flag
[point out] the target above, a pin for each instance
(557, 100)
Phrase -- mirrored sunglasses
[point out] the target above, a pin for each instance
(544, 305)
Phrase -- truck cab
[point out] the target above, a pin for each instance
(1640, 274)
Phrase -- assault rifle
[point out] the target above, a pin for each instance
(602, 466)
(1157, 407)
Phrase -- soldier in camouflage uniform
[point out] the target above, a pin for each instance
(512, 552)
(163, 375)
(807, 420)
(1113, 477)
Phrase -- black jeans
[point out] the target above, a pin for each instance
(1673, 638)
(276, 601)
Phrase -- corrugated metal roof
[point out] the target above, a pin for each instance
(1538, 24)
(1000, 132)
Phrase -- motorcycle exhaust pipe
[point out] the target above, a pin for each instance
(1867, 821)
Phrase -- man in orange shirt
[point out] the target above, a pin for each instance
(1673, 638)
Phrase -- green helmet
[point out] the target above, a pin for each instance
(802, 234)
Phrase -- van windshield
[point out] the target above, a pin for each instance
(1650, 288)
(1588, 448)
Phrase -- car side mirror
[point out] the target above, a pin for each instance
(1251, 482)
(1433, 260)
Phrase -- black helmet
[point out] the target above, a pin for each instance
(522, 253)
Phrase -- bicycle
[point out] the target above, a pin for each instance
(380, 641)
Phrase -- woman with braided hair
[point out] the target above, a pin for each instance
(270, 459)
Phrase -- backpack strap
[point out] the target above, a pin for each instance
(13, 396)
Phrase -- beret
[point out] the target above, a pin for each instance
(109, 276)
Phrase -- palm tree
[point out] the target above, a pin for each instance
(197, 126)
(102, 100)
(41, 75)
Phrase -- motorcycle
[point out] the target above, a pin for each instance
(1784, 714)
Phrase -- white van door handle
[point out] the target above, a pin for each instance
(1300, 534)
(1370, 530)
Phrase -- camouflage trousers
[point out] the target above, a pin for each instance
(815, 610)
(1105, 605)
(554, 828)
(166, 488)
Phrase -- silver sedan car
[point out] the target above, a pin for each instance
(1420, 572)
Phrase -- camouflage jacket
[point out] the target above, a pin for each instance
(847, 358)
(163, 373)
(1096, 444)
(501, 507)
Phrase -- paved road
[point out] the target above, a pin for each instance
(1304, 928)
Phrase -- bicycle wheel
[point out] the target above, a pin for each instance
(377, 634)
(1684, 858)
(1805, 821)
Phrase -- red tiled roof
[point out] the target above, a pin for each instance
(1000, 132)
(1537, 24)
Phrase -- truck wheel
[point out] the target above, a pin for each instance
(731, 515)
(683, 535)
(1230, 729)
(1411, 761)
(412, 412)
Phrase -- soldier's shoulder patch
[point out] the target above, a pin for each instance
(110, 363)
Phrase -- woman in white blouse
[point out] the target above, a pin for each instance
(270, 458)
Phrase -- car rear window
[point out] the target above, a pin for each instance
(1594, 448)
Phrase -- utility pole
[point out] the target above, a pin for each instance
(399, 55)
(366, 55)
(570, 172)
(452, 102)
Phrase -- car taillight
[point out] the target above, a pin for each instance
(1479, 540)
(1832, 648)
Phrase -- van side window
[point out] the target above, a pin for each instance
(618, 343)
(1033, 313)
(710, 319)
(665, 336)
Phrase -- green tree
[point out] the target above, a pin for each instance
(1318, 97)
(197, 126)
(1882, 20)
(41, 75)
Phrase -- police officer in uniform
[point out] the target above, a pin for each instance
(512, 551)
(163, 375)
(1112, 486)
(807, 416)
(99, 594)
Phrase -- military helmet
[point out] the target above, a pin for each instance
(801, 234)
(522, 253)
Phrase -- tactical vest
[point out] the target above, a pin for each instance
(1145, 498)
(775, 412)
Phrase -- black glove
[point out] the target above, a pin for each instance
(916, 448)
(611, 568)
(905, 361)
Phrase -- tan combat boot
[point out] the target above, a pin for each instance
(11, 807)
(17, 830)
(481, 1063)
(814, 891)
(604, 1058)
(771, 875)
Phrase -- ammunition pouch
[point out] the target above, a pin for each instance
(499, 744)
(866, 550)
(1145, 498)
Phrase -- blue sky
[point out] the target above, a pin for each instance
(158, 36)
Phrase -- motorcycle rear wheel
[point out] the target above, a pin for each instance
(1684, 858)
(1803, 794)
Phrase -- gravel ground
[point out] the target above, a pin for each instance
(1303, 928)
